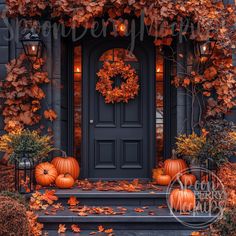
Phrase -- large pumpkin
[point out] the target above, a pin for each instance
(174, 166)
(65, 164)
(182, 200)
(188, 179)
(45, 173)
(163, 179)
(64, 181)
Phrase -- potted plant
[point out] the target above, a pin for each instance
(35, 145)
(189, 148)
(25, 149)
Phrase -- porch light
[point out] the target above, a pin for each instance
(122, 27)
(205, 50)
(24, 174)
(33, 46)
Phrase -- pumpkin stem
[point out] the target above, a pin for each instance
(45, 172)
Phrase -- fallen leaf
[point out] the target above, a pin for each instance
(61, 228)
(75, 228)
(138, 210)
(73, 201)
(100, 228)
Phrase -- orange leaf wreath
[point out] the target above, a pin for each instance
(127, 90)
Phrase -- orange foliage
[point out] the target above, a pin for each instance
(61, 228)
(127, 90)
(50, 115)
(35, 228)
(73, 201)
(227, 174)
(75, 228)
(209, 18)
(21, 94)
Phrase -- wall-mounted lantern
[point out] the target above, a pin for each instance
(33, 46)
(204, 50)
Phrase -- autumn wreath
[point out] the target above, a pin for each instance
(127, 90)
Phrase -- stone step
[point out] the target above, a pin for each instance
(112, 198)
(151, 218)
(127, 233)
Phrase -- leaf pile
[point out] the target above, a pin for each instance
(13, 217)
(118, 186)
(40, 200)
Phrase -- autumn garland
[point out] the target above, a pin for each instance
(209, 19)
(127, 90)
(21, 94)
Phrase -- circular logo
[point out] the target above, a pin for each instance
(196, 202)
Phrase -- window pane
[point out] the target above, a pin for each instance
(116, 54)
(159, 106)
(77, 100)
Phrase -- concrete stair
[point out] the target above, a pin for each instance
(154, 218)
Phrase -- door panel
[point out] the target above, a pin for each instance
(119, 137)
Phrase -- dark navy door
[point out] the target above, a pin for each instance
(120, 136)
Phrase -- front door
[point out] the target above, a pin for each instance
(118, 138)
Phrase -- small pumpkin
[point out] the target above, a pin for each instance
(45, 173)
(182, 199)
(163, 179)
(188, 179)
(156, 172)
(65, 164)
(64, 181)
(173, 166)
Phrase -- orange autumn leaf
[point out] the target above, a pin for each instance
(75, 228)
(22, 93)
(210, 73)
(195, 233)
(50, 114)
(100, 228)
(61, 228)
(108, 231)
(73, 201)
(49, 196)
(138, 210)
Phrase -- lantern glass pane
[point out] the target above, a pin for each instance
(32, 48)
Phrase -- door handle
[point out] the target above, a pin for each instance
(91, 121)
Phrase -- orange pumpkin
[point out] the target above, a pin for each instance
(188, 179)
(182, 199)
(45, 173)
(64, 181)
(163, 179)
(174, 166)
(65, 164)
(156, 172)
